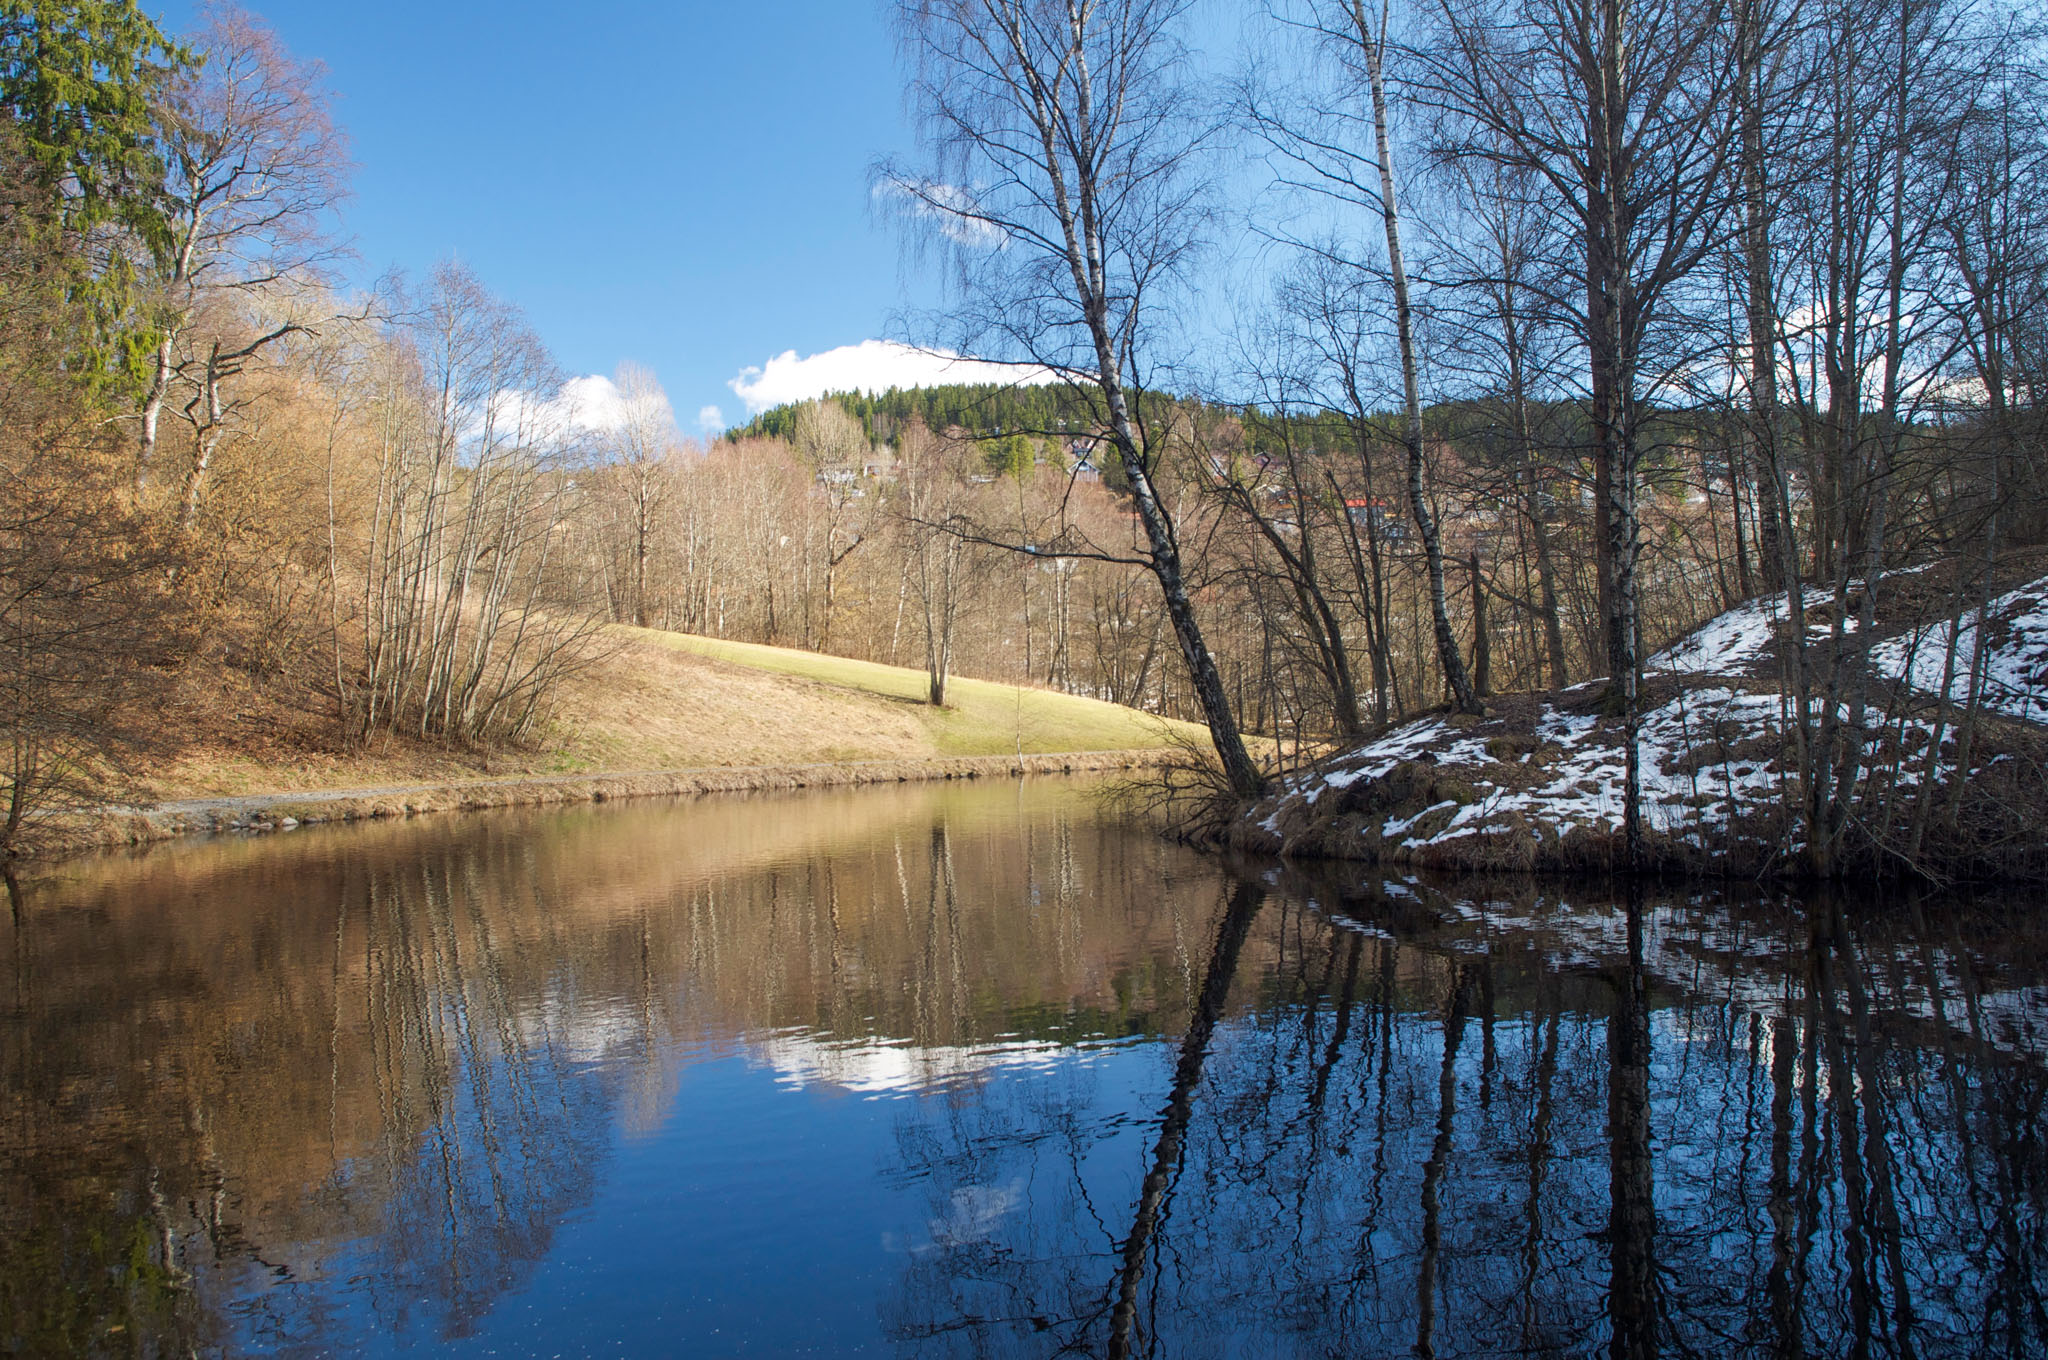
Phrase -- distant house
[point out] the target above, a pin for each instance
(1364, 511)
(1083, 451)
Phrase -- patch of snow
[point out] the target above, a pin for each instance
(1710, 757)
(2015, 663)
(1375, 760)
(1730, 643)
(1398, 826)
(1564, 729)
(1727, 642)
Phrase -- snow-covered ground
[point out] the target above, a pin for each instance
(2015, 671)
(1708, 757)
(1729, 644)
(1717, 754)
(1733, 643)
(2015, 667)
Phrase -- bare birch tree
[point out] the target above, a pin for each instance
(1333, 142)
(255, 165)
(1066, 138)
(937, 556)
(639, 450)
(833, 447)
(466, 626)
(1621, 111)
(1373, 44)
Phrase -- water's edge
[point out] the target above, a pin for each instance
(114, 827)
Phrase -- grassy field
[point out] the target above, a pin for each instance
(662, 701)
(980, 718)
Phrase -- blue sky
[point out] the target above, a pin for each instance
(683, 185)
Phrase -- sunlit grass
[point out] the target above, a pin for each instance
(668, 701)
(980, 717)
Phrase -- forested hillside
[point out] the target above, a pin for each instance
(1528, 457)
(978, 409)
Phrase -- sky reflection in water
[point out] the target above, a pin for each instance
(969, 1070)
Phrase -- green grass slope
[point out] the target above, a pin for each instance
(980, 717)
(658, 701)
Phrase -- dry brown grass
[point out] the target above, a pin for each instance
(654, 719)
(653, 705)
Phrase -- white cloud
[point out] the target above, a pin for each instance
(870, 366)
(593, 402)
(589, 405)
(710, 419)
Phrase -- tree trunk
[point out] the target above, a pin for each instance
(1610, 341)
(1756, 250)
(1462, 696)
(1245, 901)
(1482, 650)
(1546, 570)
(1164, 560)
(1632, 1198)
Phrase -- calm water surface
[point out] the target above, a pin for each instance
(943, 1070)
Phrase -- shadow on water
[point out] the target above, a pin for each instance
(354, 1090)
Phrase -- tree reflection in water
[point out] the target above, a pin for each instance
(347, 1091)
(1688, 1127)
(410, 1112)
(318, 1091)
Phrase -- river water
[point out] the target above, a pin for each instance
(975, 1070)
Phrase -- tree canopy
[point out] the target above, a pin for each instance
(77, 78)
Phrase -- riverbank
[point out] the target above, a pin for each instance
(648, 701)
(114, 828)
(1537, 783)
(238, 749)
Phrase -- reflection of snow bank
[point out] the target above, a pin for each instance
(1704, 948)
(2015, 668)
(872, 1065)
